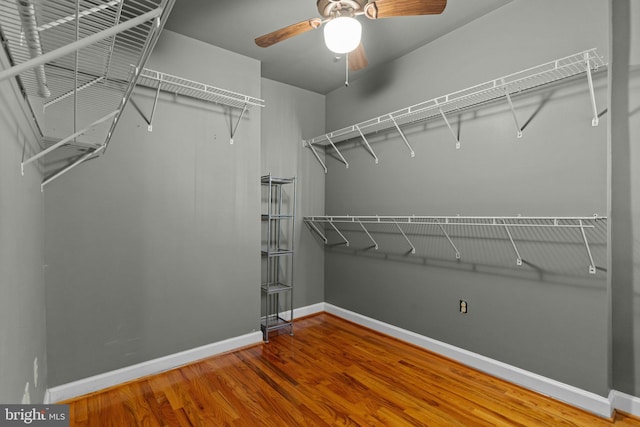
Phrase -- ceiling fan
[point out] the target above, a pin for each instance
(342, 30)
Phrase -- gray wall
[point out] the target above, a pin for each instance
(22, 292)
(625, 195)
(549, 316)
(154, 248)
(290, 115)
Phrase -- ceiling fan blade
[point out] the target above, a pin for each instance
(358, 58)
(389, 8)
(288, 32)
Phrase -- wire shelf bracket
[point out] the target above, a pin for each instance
(161, 81)
(587, 62)
(506, 223)
(413, 248)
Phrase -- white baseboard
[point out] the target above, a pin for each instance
(304, 311)
(625, 402)
(119, 376)
(591, 402)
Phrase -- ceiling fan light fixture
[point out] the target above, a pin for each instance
(342, 34)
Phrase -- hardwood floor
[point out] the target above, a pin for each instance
(331, 372)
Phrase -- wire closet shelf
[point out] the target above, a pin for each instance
(181, 86)
(77, 63)
(502, 88)
(339, 225)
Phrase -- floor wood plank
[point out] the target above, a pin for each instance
(330, 373)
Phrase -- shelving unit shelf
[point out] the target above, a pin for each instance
(80, 56)
(445, 224)
(278, 234)
(502, 88)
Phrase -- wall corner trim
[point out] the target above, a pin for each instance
(599, 405)
(150, 367)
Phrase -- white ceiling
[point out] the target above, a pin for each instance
(304, 60)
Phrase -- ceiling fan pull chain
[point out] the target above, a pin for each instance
(346, 81)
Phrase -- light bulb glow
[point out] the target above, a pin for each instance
(342, 34)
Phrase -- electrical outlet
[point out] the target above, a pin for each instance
(464, 306)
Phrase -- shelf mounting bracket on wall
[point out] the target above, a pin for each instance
(235, 129)
(513, 243)
(592, 265)
(449, 239)
(367, 144)
(404, 138)
(315, 228)
(149, 121)
(315, 153)
(346, 242)
(339, 153)
(594, 121)
(455, 137)
(413, 248)
(513, 110)
(375, 244)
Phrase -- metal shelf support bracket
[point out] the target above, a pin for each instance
(513, 243)
(592, 265)
(235, 129)
(375, 244)
(315, 153)
(513, 111)
(594, 121)
(455, 137)
(346, 242)
(449, 239)
(404, 138)
(317, 230)
(338, 151)
(413, 248)
(367, 144)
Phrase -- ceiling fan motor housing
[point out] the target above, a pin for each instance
(328, 8)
